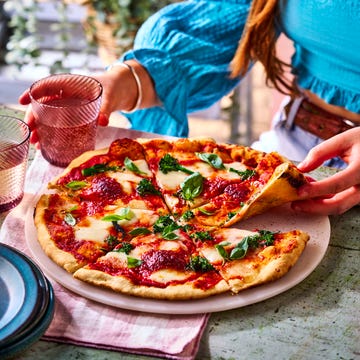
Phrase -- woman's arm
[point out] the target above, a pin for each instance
(187, 48)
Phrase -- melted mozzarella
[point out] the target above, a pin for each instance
(169, 245)
(233, 235)
(166, 275)
(92, 229)
(171, 180)
(143, 166)
(130, 176)
(96, 229)
(139, 251)
(212, 255)
(119, 257)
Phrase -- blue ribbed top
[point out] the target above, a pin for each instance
(326, 35)
(187, 48)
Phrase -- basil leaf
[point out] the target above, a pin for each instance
(111, 240)
(124, 214)
(187, 215)
(76, 185)
(170, 236)
(244, 175)
(162, 222)
(69, 219)
(200, 264)
(213, 160)
(205, 212)
(192, 186)
(145, 187)
(125, 247)
(264, 238)
(133, 262)
(140, 231)
(240, 250)
(221, 250)
(98, 168)
(168, 232)
(203, 236)
(129, 164)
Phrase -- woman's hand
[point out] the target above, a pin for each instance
(340, 192)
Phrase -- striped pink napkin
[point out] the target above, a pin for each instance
(84, 322)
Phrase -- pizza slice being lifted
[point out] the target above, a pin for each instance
(267, 188)
(220, 183)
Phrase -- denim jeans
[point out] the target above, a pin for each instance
(290, 140)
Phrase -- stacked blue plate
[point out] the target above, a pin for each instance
(26, 302)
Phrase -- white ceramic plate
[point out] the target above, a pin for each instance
(279, 219)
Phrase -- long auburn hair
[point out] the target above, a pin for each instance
(258, 43)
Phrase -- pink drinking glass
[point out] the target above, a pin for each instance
(14, 150)
(66, 107)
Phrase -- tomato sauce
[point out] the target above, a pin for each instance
(75, 174)
(155, 260)
(214, 187)
(105, 190)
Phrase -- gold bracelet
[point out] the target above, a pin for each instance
(138, 84)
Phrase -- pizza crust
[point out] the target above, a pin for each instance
(280, 189)
(172, 292)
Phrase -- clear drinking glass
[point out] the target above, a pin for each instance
(14, 150)
(66, 107)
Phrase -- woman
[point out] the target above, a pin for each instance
(186, 57)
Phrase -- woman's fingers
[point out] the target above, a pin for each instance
(345, 145)
(332, 185)
(334, 205)
(103, 119)
(24, 98)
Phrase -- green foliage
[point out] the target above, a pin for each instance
(24, 44)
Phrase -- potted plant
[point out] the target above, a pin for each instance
(109, 25)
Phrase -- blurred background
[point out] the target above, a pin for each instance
(41, 37)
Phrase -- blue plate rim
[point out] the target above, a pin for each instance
(33, 296)
(32, 335)
(36, 317)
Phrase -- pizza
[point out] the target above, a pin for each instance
(161, 218)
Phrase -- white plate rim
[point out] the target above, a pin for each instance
(278, 219)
